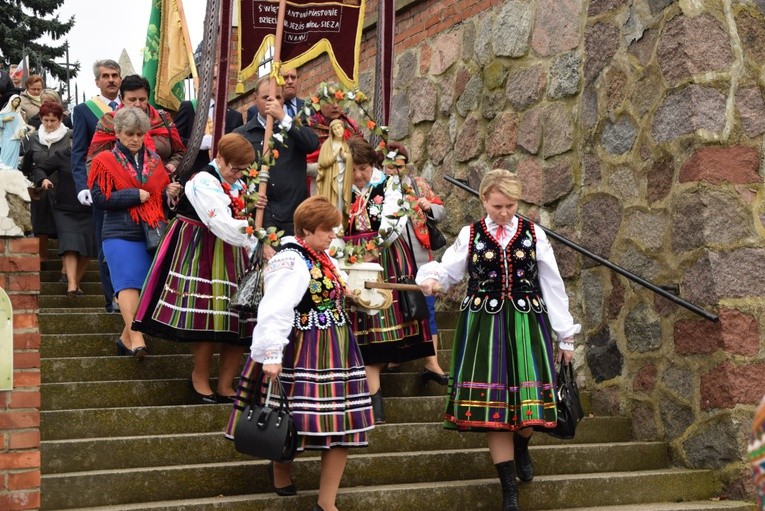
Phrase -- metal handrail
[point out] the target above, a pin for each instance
(608, 264)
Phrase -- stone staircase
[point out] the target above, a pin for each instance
(122, 435)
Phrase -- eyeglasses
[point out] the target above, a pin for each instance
(239, 169)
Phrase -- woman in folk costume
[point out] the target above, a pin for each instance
(335, 166)
(502, 362)
(196, 269)
(162, 137)
(425, 204)
(130, 184)
(756, 453)
(303, 336)
(384, 337)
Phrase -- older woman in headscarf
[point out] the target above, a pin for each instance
(129, 182)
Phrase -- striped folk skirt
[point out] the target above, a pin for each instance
(385, 336)
(503, 372)
(189, 286)
(324, 379)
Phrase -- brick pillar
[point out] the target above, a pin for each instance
(20, 407)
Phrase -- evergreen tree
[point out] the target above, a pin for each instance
(22, 23)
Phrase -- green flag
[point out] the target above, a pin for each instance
(166, 57)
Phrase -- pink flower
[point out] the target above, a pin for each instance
(378, 199)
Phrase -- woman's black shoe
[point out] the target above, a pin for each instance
(205, 399)
(122, 350)
(317, 508)
(286, 491)
(427, 374)
(377, 407)
(524, 468)
(140, 352)
(225, 399)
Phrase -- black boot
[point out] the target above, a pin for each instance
(523, 466)
(506, 471)
(377, 407)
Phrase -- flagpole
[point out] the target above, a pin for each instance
(264, 175)
(187, 38)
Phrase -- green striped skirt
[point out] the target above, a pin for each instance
(503, 372)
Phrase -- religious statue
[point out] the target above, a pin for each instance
(12, 130)
(335, 169)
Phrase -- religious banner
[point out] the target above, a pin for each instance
(311, 27)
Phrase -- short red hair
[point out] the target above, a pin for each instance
(51, 109)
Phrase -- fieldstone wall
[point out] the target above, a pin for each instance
(637, 128)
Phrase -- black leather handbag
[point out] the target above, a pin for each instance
(153, 235)
(412, 303)
(568, 404)
(265, 432)
(249, 289)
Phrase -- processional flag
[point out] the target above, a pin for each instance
(168, 57)
(311, 27)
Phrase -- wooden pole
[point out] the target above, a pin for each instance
(275, 64)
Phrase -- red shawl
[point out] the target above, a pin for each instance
(105, 136)
(420, 217)
(113, 172)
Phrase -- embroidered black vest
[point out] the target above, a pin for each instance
(496, 274)
(321, 305)
(374, 206)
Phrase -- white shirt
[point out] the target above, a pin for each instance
(454, 263)
(390, 206)
(211, 203)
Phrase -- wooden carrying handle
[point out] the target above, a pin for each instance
(397, 287)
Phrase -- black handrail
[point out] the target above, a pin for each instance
(608, 264)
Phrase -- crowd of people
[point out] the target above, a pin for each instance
(109, 184)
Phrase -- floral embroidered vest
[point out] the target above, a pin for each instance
(496, 274)
(374, 207)
(321, 305)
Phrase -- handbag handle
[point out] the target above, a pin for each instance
(283, 402)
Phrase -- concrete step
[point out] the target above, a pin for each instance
(62, 456)
(99, 345)
(699, 505)
(144, 389)
(411, 482)
(56, 288)
(54, 264)
(79, 321)
(63, 301)
(50, 276)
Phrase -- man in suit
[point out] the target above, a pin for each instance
(287, 185)
(85, 116)
(293, 105)
(184, 121)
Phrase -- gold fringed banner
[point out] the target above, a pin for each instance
(311, 27)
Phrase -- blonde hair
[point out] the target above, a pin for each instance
(502, 181)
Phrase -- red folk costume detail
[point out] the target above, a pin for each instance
(113, 171)
(237, 205)
(419, 218)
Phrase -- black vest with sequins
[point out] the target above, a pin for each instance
(321, 305)
(496, 275)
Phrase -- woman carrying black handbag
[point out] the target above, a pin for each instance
(503, 372)
(303, 337)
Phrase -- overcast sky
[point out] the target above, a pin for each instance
(91, 39)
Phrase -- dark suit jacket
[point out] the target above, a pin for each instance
(287, 186)
(84, 126)
(184, 121)
(252, 112)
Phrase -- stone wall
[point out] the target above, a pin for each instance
(637, 127)
(20, 407)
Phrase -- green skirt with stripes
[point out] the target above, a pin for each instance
(503, 372)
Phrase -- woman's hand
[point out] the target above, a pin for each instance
(268, 252)
(272, 371)
(565, 356)
(369, 258)
(424, 204)
(430, 287)
(170, 168)
(144, 195)
(46, 184)
(262, 201)
(174, 189)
